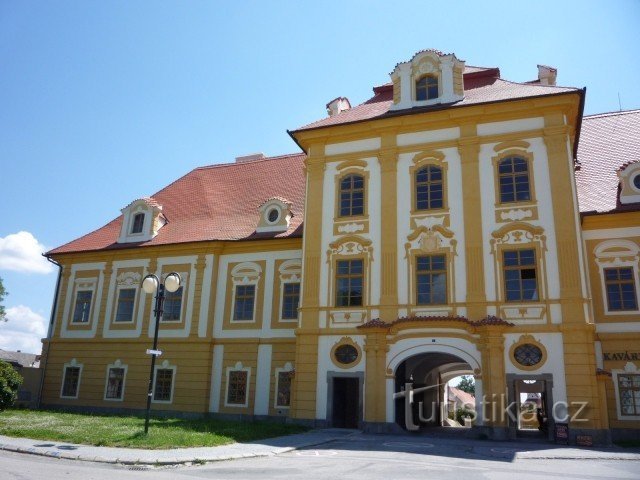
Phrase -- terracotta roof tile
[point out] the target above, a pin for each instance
(218, 202)
(481, 85)
(608, 142)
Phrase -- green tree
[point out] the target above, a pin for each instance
(467, 384)
(3, 293)
(10, 381)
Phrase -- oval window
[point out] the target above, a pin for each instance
(273, 215)
(346, 354)
(528, 355)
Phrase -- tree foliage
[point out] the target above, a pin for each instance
(10, 381)
(467, 384)
(3, 293)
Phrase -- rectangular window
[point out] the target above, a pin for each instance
(126, 298)
(83, 306)
(431, 280)
(138, 223)
(349, 283)
(520, 277)
(115, 384)
(237, 388)
(172, 306)
(290, 301)
(71, 382)
(621, 288)
(629, 391)
(283, 391)
(244, 301)
(164, 381)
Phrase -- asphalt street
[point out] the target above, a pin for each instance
(367, 457)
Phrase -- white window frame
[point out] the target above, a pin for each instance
(288, 368)
(237, 367)
(117, 364)
(72, 364)
(245, 274)
(627, 255)
(83, 285)
(629, 368)
(290, 272)
(183, 283)
(164, 366)
(115, 320)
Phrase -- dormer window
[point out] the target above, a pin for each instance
(629, 176)
(427, 88)
(429, 78)
(138, 223)
(275, 215)
(141, 220)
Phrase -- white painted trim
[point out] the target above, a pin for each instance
(238, 367)
(618, 327)
(610, 233)
(216, 378)
(164, 366)
(613, 259)
(72, 364)
(366, 144)
(263, 377)
(116, 364)
(65, 332)
(629, 369)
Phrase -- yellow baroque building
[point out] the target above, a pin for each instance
(455, 223)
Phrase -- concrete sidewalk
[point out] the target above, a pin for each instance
(342, 440)
(174, 456)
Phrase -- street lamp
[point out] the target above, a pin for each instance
(151, 284)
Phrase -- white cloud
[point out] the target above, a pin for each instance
(22, 252)
(23, 330)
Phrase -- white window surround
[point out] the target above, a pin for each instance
(69, 302)
(629, 368)
(165, 365)
(281, 224)
(245, 273)
(127, 280)
(629, 192)
(238, 367)
(183, 283)
(83, 285)
(290, 271)
(286, 369)
(72, 364)
(117, 364)
(613, 254)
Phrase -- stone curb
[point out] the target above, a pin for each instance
(158, 461)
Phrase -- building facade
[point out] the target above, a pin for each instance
(453, 224)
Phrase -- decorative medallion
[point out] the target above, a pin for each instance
(528, 355)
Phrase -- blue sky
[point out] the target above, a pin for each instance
(104, 102)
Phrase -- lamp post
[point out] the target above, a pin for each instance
(151, 284)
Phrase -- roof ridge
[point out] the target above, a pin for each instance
(611, 114)
(265, 159)
(540, 85)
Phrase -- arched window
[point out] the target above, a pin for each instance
(427, 88)
(352, 196)
(513, 173)
(429, 188)
(138, 223)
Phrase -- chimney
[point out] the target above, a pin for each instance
(250, 158)
(338, 105)
(547, 75)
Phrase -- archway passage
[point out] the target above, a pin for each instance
(427, 374)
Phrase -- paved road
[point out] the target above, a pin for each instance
(364, 457)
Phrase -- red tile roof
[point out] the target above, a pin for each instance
(218, 202)
(608, 141)
(481, 85)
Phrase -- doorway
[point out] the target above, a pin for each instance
(345, 401)
(530, 401)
